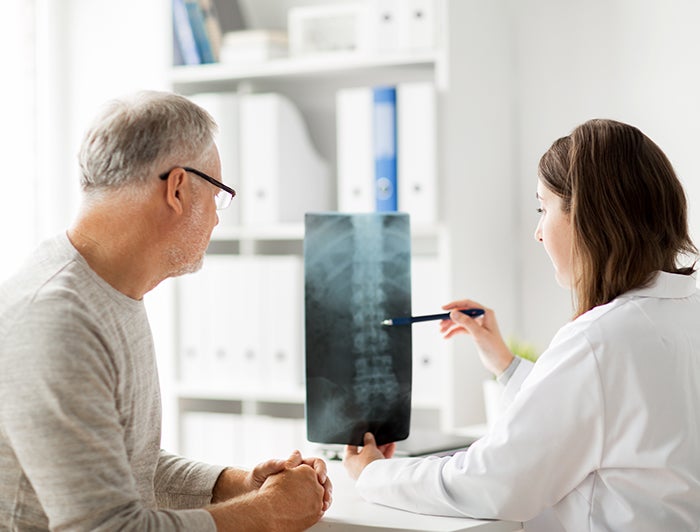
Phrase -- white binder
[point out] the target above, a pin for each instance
(355, 150)
(383, 24)
(192, 359)
(212, 437)
(416, 24)
(282, 175)
(245, 327)
(417, 151)
(224, 109)
(224, 314)
(429, 348)
(282, 293)
(226, 343)
(270, 437)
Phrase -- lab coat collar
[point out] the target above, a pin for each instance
(667, 285)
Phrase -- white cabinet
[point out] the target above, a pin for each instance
(467, 252)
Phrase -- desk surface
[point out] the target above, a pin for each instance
(350, 513)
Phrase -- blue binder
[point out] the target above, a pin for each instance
(199, 31)
(384, 125)
(185, 47)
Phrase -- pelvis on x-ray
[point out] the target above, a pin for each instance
(358, 372)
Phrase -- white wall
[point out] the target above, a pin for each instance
(88, 51)
(637, 61)
(477, 179)
(98, 50)
(18, 113)
(115, 48)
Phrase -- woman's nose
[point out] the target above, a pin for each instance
(538, 231)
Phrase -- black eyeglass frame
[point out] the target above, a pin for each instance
(204, 176)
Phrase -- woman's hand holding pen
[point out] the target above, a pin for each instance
(493, 351)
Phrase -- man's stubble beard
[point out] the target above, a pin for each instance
(180, 256)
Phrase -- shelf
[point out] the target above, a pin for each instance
(331, 66)
(256, 395)
(295, 231)
(290, 231)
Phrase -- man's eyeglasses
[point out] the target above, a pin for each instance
(223, 196)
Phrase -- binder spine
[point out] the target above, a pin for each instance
(186, 51)
(385, 142)
(199, 31)
(354, 143)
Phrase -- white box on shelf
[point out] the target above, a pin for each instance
(282, 175)
(417, 151)
(253, 46)
(224, 109)
(327, 28)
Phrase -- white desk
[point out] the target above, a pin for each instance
(350, 513)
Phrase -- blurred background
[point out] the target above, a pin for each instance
(509, 77)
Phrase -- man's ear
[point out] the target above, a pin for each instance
(176, 190)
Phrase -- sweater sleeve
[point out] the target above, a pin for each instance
(545, 444)
(181, 483)
(58, 413)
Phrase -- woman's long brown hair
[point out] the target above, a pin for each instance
(627, 208)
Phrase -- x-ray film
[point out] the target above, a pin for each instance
(358, 372)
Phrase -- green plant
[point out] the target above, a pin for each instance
(522, 349)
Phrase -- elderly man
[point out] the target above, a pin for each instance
(80, 413)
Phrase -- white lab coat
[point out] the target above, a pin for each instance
(603, 434)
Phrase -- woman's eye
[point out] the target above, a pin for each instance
(540, 210)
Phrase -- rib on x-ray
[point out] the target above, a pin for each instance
(358, 372)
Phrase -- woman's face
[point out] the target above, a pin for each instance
(554, 231)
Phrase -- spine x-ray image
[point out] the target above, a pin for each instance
(358, 372)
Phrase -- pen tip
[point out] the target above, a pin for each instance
(387, 322)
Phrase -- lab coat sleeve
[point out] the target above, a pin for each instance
(545, 444)
(515, 382)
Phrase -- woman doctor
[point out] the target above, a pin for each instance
(603, 431)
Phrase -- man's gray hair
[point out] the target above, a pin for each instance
(135, 138)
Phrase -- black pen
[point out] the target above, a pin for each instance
(473, 312)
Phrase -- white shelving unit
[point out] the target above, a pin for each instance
(474, 234)
(336, 65)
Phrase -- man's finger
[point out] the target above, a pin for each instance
(294, 459)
